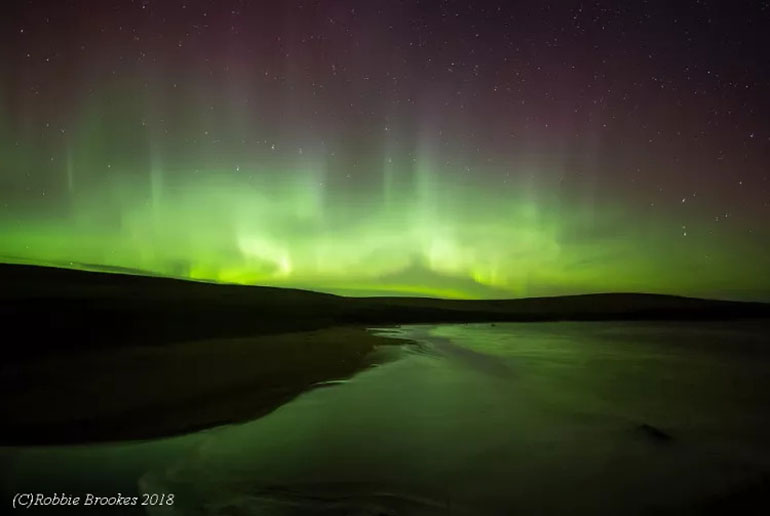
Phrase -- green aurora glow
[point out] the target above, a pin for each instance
(424, 231)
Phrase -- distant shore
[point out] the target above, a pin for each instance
(63, 310)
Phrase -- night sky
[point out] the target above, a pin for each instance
(455, 149)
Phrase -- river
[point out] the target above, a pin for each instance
(521, 418)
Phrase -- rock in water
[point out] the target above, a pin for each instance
(655, 434)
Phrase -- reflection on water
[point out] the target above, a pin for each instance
(476, 419)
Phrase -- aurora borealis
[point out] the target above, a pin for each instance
(451, 149)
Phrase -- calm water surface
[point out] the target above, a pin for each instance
(610, 418)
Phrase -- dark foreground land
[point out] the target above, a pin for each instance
(91, 356)
(136, 392)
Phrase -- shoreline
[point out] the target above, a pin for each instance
(151, 392)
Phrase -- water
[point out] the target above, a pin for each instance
(597, 418)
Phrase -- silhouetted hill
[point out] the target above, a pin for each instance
(50, 309)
